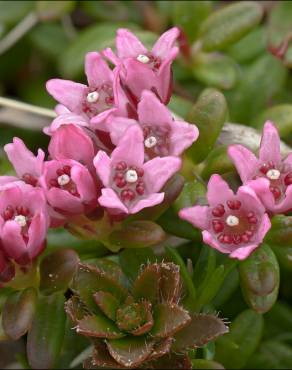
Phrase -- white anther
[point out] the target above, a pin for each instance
(21, 220)
(273, 174)
(143, 58)
(232, 220)
(63, 180)
(92, 97)
(131, 176)
(150, 142)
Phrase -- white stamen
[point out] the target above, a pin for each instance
(21, 220)
(273, 174)
(232, 220)
(131, 176)
(143, 58)
(63, 180)
(150, 142)
(92, 97)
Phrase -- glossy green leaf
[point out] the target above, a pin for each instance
(234, 349)
(208, 114)
(132, 259)
(18, 312)
(179, 105)
(218, 162)
(51, 10)
(45, 337)
(260, 279)
(229, 24)
(216, 70)
(281, 231)
(57, 270)
(193, 192)
(98, 326)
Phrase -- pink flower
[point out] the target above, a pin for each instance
(99, 98)
(72, 142)
(23, 223)
(7, 269)
(27, 167)
(69, 187)
(130, 184)
(269, 176)
(141, 69)
(163, 135)
(232, 223)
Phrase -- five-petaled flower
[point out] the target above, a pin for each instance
(270, 176)
(232, 223)
(130, 184)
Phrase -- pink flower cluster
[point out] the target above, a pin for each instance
(237, 223)
(114, 144)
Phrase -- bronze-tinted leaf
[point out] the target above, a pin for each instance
(18, 312)
(102, 359)
(170, 361)
(146, 285)
(169, 318)
(90, 279)
(130, 351)
(202, 329)
(75, 309)
(170, 283)
(99, 327)
(134, 317)
(161, 348)
(57, 270)
(107, 303)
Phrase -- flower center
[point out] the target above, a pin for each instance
(131, 176)
(156, 141)
(232, 220)
(29, 179)
(63, 181)
(143, 58)
(92, 97)
(273, 174)
(21, 220)
(150, 142)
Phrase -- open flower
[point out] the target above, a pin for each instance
(28, 167)
(130, 184)
(99, 98)
(69, 187)
(232, 223)
(270, 176)
(23, 222)
(163, 135)
(140, 69)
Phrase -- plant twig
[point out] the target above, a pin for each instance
(17, 105)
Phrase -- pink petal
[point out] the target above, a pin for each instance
(128, 45)
(117, 127)
(198, 216)
(244, 160)
(152, 112)
(131, 147)
(182, 136)
(165, 43)
(158, 170)
(11, 196)
(35, 200)
(71, 142)
(110, 199)
(120, 98)
(37, 234)
(149, 201)
(209, 239)
(270, 144)
(111, 56)
(243, 252)
(12, 240)
(165, 78)
(261, 187)
(23, 160)
(84, 182)
(97, 70)
(4, 180)
(99, 122)
(68, 93)
(66, 119)
(288, 159)
(63, 201)
(248, 196)
(103, 166)
(218, 190)
(61, 109)
(264, 228)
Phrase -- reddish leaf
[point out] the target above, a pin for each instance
(146, 285)
(98, 327)
(75, 309)
(102, 358)
(170, 283)
(107, 303)
(170, 361)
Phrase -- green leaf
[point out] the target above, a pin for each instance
(18, 313)
(137, 234)
(57, 270)
(201, 330)
(132, 259)
(228, 24)
(206, 364)
(130, 351)
(189, 15)
(208, 114)
(51, 10)
(146, 285)
(260, 279)
(107, 303)
(235, 348)
(46, 334)
(216, 70)
(102, 358)
(98, 326)
(218, 162)
(179, 105)
(193, 192)
(168, 319)
(279, 319)
(12, 12)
